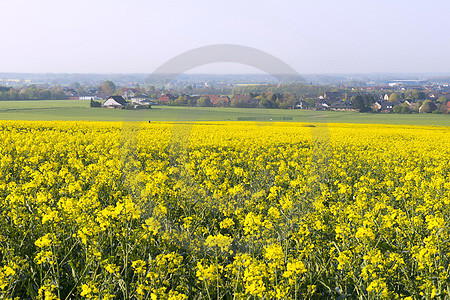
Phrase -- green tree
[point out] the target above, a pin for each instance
(358, 102)
(427, 107)
(265, 103)
(180, 101)
(362, 102)
(442, 99)
(222, 103)
(95, 104)
(414, 94)
(81, 91)
(289, 100)
(108, 87)
(442, 108)
(204, 102)
(57, 93)
(237, 103)
(75, 85)
(150, 90)
(402, 109)
(406, 109)
(394, 97)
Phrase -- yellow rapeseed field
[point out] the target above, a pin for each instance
(223, 211)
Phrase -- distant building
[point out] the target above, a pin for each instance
(165, 98)
(301, 105)
(410, 102)
(342, 105)
(387, 106)
(384, 106)
(90, 97)
(321, 105)
(376, 106)
(141, 99)
(427, 105)
(217, 100)
(407, 82)
(128, 93)
(334, 95)
(70, 93)
(115, 102)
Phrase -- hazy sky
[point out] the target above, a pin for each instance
(314, 36)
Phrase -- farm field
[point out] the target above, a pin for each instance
(76, 110)
(223, 210)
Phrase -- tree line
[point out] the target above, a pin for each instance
(31, 93)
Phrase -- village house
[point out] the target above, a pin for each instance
(165, 98)
(334, 96)
(71, 94)
(141, 99)
(217, 100)
(128, 93)
(376, 106)
(342, 105)
(90, 97)
(92, 94)
(427, 105)
(115, 102)
(301, 105)
(321, 105)
(408, 102)
(384, 106)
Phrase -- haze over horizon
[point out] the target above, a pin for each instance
(137, 36)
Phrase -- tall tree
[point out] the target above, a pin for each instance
(394, 97)
(360, 103)
(427, 107)
(204, 102)
(75, 85)
(108, 87)
(180, 101)
(442, 99)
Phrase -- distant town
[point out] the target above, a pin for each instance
(382, 95)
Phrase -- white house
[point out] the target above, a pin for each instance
(140, 99)
(89, 98)
(115, 102)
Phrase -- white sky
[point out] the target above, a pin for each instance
(320, 36)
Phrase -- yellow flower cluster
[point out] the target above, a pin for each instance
(223, 210)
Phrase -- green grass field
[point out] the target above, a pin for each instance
(74, 110)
